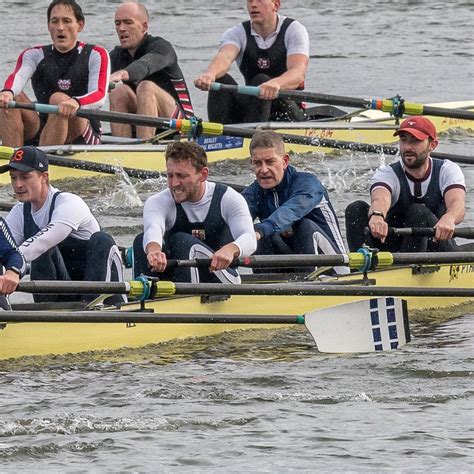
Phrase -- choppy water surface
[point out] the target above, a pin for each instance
(261, 400)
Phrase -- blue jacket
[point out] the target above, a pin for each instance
(10, 257)
(299, 195)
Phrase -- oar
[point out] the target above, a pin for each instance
(462, 232)
(354, 260)
(216, 129)
(7, 152)
(151, 288)
(361, 326)
(386, 105)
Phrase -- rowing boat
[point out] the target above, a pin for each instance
(19, 339)
(371, 127)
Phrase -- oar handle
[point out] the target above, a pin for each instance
(246, 90)
(41, 108)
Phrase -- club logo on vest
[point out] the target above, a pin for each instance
(64, 84)
(199, 234)
(263, 63)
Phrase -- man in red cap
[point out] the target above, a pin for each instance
(415, 191)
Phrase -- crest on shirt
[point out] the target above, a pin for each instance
(64, 84)
(263, 63)
(199, 234)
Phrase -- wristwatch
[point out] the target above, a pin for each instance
(376, 213)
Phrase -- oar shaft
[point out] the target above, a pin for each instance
(166, 288)
(353, 260)
(463, 232)
(290, 289)
(74, 287)
(105, 115)
(133, 317)
(385, 105)
(216, 129)
(104, 168)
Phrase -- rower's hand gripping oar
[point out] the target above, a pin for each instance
(395, 106)
(196, 128)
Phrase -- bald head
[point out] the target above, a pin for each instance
(131, 25)
(136, 10)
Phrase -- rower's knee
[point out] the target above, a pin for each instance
(57, 98)
(418, 215)
(121, 94)
(147, 88)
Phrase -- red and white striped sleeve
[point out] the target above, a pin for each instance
(99, 74)
(26, 65)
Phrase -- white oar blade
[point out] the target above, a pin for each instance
(378, 324)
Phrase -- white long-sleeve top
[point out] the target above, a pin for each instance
(159, 215)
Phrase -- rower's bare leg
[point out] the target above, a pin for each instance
(122, 99)
(154, 102)
(59, 130)
(17, 125)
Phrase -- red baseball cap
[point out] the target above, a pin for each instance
(418, 126)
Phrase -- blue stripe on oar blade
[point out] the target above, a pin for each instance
(377, 324)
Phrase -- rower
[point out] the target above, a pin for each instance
(271, 51)
(56, 230)
(193, 218)
(145, 69)
(415, 191)
(295, 213)
(67, 73)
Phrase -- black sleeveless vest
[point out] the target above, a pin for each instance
(213, 231)
(271, 61)
(70, 247)
(61, 72)
(29, 225)
(433, 199)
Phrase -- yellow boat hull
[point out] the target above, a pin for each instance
(31, 339)
(151, 158)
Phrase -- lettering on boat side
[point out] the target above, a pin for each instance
(453, 121)
(456, 270)
(320, 133)
(220, 143)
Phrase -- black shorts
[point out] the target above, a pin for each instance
(92, 134)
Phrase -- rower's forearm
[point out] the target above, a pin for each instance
(221, 62)
(457, 212)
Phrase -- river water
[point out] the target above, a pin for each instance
(261, 400)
